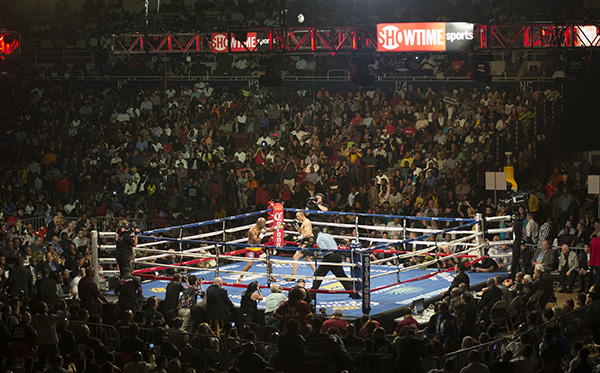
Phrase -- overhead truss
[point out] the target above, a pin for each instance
(322, 40)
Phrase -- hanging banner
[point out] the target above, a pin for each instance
(425, 37)
(277, 216)
(219, 43)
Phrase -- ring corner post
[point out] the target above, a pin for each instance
(364, 264)
(479, 229)
(95, 256)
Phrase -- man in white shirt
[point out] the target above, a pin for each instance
(533, 229)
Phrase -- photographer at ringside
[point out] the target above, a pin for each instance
(126, 240)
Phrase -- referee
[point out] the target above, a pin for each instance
(326, 241)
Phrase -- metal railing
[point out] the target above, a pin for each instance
(193, 77)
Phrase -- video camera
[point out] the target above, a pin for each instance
(126, 231)
(311, 203)
(513, 203)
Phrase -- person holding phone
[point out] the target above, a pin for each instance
(248, 305)
(188, 300)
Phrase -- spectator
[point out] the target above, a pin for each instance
(273, 301)
(128, 290)
(171, 303)
(45, 325)
(475, 365)
(137, 364)
(188, 300)
(446, 329)
(89, 293)
(490, 296)
(568, 266)
(336, 321)
(408, 351)
(294, 308)
(291, 348)
(546, 257)
(248, 360)
(218, 305)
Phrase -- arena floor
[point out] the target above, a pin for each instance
(381, 301)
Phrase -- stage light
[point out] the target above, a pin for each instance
(300, 18)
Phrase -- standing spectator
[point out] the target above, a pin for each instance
(126, 241)
(188, 300)
(249, 302)
(460, 278)
(171, 302)
(446, 330)
(89, 293)
(128, 290)
(47, 337)
(585, 271)
(594, 262)
(533, 229)
(545, 233)
(219, 307)
(47, 288)
(20, 280)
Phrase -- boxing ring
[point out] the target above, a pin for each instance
(386, 273)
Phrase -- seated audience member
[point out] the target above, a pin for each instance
(336, 321)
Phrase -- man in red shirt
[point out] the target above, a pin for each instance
(336, 321)
(389, 127)
(89, 293)
(408, 320)
(595, 259)
(294, 308)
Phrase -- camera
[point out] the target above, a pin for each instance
(311, 203)
(513, 203)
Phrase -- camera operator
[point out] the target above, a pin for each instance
(316, 204)
(126, 241)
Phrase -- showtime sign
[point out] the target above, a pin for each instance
(425, 37)
(219, 43)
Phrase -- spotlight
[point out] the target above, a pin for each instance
(300, 18)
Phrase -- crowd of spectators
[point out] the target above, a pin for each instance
(194, 153)
(206, 151)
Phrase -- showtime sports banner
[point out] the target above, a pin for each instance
(219, 43)
(425, 37)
